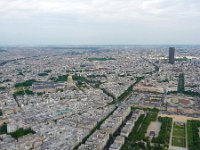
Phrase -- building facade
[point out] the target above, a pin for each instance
(171, 55)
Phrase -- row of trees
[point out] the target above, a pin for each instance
(181, 83)
(109, 94)
(21, 132)
(138, 133)
(165, 130)
(25, 83)
(127, 92)
(182, 59)
(1, 113)
(23, 92)
(96, 75)
(100, 59)
(97, 127)
(64, 78)
(81, 79)
(48, 71)
(61, 78)
(151, 116)
(181, 87)
(2, 88)
(189, 93)
(18, 133)
(133, 136)
(43, 74)
(3, 129)
(193, 134)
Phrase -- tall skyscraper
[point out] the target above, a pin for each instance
(171, 55)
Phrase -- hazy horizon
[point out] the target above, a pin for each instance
(101, 45)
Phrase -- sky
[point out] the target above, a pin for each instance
(99, 22)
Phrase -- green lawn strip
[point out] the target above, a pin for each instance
(178, 138)
(193, 134)
(178, 141)
(179, 132)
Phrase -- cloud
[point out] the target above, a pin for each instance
(102, 10)
(99, 21)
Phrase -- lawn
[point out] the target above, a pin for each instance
(178, 138)
(178, 141)
(179, 131)
(193, 134)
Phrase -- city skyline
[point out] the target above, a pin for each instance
(103, 98)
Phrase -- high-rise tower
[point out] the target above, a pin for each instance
(171, 55)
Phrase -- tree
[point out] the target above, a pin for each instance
(181, 83)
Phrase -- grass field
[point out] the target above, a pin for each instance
(193, 134)
(177, 141)
(179, 131)
(178, 138)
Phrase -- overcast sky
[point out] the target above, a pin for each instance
(66, 22)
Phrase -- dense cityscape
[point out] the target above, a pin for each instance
(100, 98)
